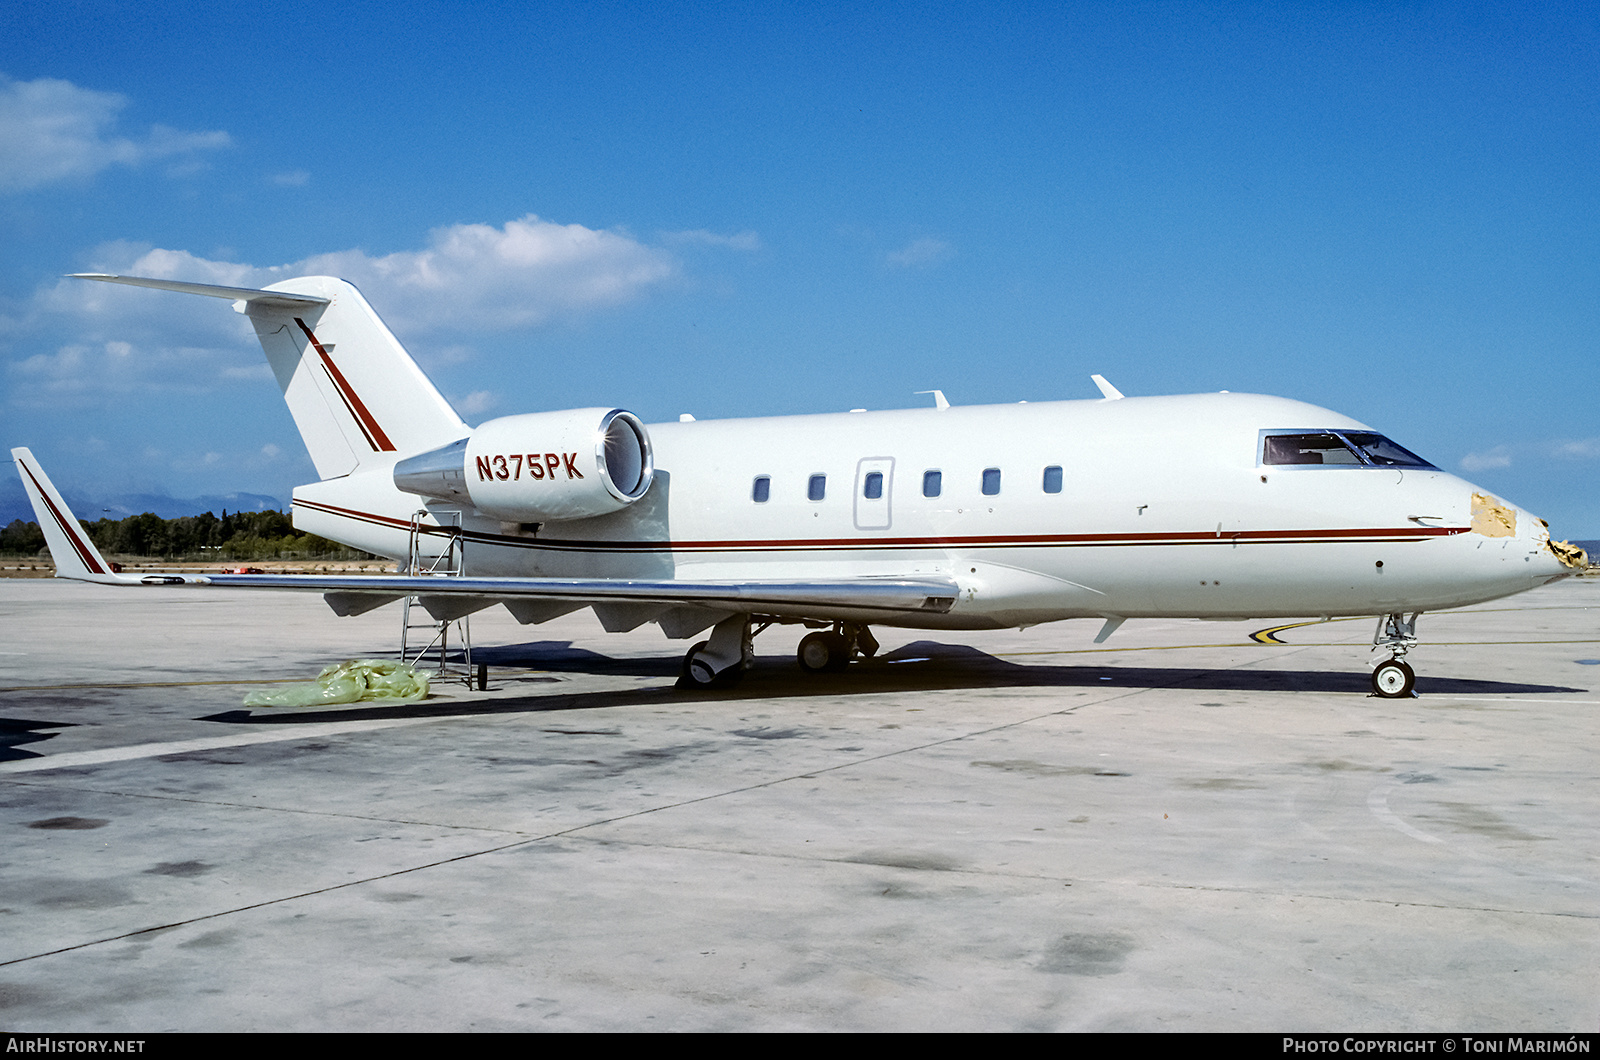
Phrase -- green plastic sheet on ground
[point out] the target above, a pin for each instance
(350, 682)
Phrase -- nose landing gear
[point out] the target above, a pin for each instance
(721, 661)
(1394, 678)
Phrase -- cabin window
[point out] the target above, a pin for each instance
(872, 485)
(1052, 479)
(932, 483)
(817, 488)
(762, 489)
(991, 481)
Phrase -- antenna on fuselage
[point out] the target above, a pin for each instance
(1111, 393)
(939, 401)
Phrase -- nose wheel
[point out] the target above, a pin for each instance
(1393, 680)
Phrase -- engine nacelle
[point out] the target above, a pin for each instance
(539, 467)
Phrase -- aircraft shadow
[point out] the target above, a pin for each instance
(923, 666)
(559, 656)
(17, 731)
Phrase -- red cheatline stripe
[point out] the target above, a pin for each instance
(352, 401)
(1384, 534)
(84, 550)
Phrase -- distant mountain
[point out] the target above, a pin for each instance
(14, 504)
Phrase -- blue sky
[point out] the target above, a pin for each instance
(1385, 209)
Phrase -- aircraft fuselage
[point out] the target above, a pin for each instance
(1137, 507)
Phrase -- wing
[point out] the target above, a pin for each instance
(866, 597)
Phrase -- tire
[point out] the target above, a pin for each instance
(695, 673)
(823, 652)
(1393, 680)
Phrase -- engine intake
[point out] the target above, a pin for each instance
(538, 467)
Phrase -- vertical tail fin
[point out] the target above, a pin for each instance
(357, 397)
(74, 554)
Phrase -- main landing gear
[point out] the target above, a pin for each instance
(1394, 679)
(721, 661)
(829, 651)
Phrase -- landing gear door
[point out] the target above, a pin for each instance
(874, 482)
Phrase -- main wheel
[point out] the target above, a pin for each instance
(1393, 680)
(823, 651)
(697, 671)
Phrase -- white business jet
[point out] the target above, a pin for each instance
(1218, 506)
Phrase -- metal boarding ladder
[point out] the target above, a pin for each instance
(450, 563)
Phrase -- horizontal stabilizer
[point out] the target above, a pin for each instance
(274, 299)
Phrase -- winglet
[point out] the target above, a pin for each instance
(1111, 392)
(939, 400)
(74, 554)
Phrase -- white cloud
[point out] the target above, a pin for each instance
(55, 131)
(472, 277)
(85, 373)
(921, 253)
(295, 178)
(476, 402)
(482, 278)
(1499, 456)
(437, 356)
(253, 371)
(468, 278)
(1579, 449)
(746, 240)
(1532, 452)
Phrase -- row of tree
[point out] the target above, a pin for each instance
(239, 535)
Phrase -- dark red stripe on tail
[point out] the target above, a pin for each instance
(369, 426)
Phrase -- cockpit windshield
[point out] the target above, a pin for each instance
(1378, 450)
(1336, 449)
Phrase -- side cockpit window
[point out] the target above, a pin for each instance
(1308, 449)
(1335, 449)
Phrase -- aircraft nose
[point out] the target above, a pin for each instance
(1526, 545)
(1550, 559)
